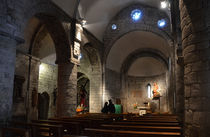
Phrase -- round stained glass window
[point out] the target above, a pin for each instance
(136, 15)
(114, 26)
(161, 23)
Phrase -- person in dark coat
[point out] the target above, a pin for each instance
(105, 108)
(111, 107)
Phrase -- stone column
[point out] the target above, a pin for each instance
(96, 95)
(180, 88)
(7, 68)
(67, 89)
(196, 51)
(34, 79)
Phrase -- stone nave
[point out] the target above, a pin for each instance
(58, 57)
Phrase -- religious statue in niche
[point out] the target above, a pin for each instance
(82, 94)
(156, 93)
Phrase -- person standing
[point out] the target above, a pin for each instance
(111, 108)
(105, 108)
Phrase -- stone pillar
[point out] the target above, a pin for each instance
(32, 113)
(196, 51)
(96, 95)
(7, 68)
(180, 88)
(67, 89)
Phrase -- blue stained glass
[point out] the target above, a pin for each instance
(114, 26)
(161, 23)
(136, 15)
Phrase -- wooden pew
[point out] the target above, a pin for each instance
(121, 133)
(156, 117)
(153, 120)
(145, 123)
(72, 128)
(85, 122)
(16, 132)
(40, 130)
(142, 128)
(82, 122)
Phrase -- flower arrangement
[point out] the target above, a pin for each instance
(135, 106)
(79, 108)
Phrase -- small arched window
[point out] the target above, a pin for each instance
(149, 93)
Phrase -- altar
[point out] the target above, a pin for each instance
(143, 110)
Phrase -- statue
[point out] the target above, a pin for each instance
(156, 93)
(83, 94)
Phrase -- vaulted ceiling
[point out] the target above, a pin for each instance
(98, 13)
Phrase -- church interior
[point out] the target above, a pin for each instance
(99, 68)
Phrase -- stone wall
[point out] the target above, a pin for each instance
(137, 92)
(112, 85)
(7, 68)
(196, 50)
(91, 67)
(21, 69)
(134, 90)
(48, 83)
(23, 109)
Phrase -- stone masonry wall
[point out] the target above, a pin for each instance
(48, 83)
(137, 93)
(23, 109)
(112, 85)
(21, 69)
(92, 69)
(196, 51)
(7, 68)
(134, 90)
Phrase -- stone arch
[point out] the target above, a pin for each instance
(118, 36)
(59, 37)
(93, 54)
(125, 26)
(53, 18)
(47, 7)
(143, 53)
